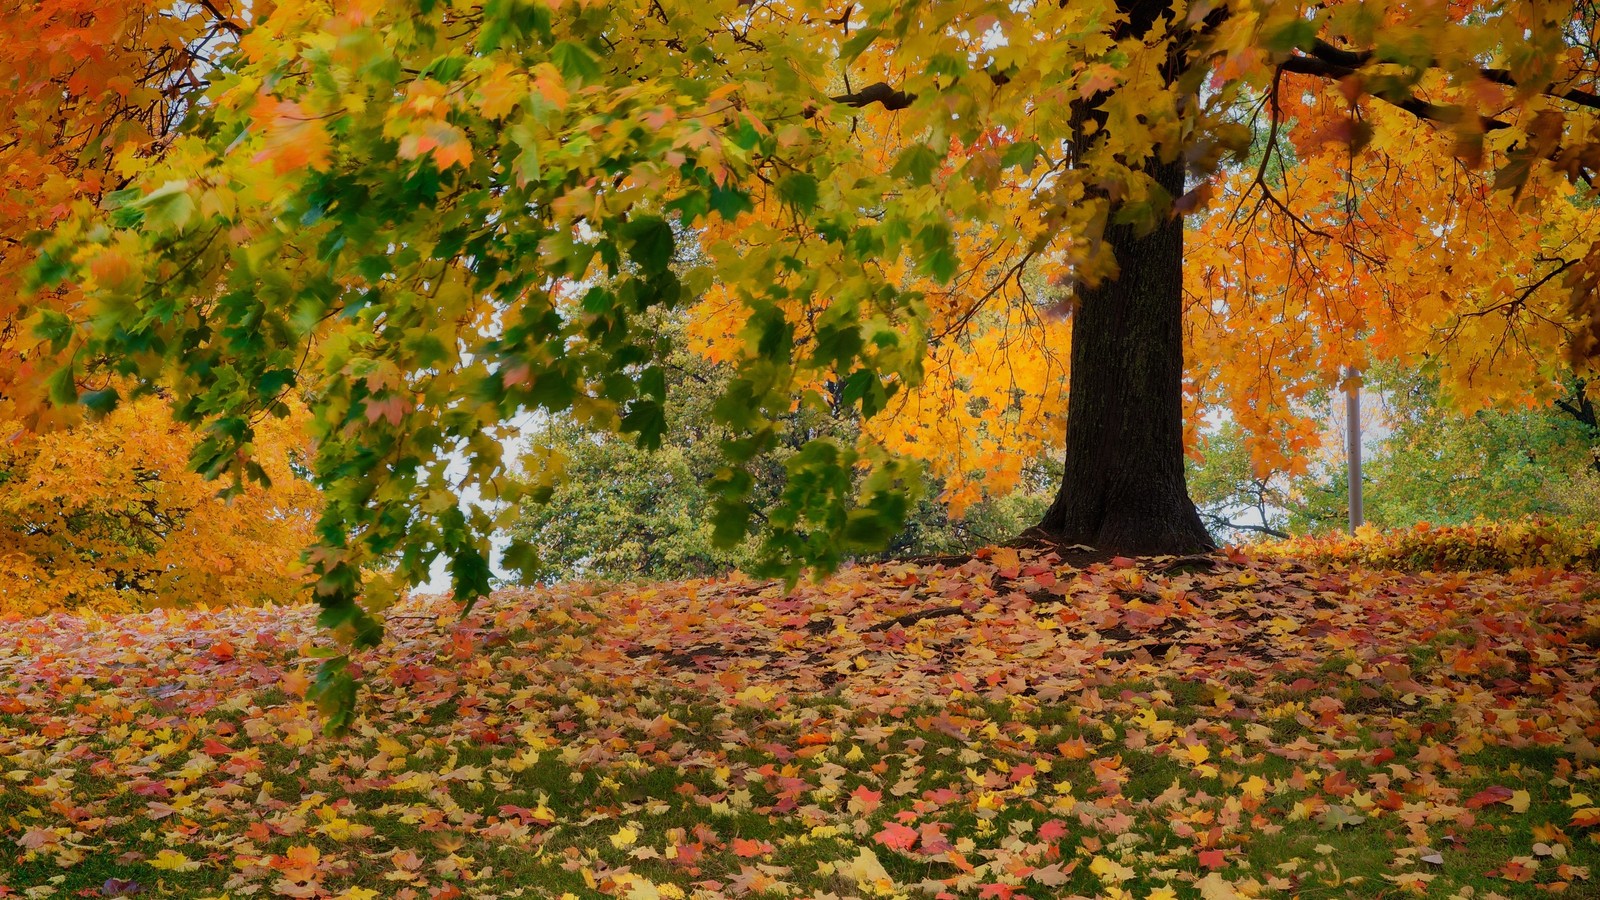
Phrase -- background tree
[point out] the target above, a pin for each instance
(1439, 467)
(1427, 463)
(107, 515)
(612, 510)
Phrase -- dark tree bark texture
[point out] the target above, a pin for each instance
(1123, 488)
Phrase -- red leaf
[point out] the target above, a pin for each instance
(896, 837)
(1496, 794)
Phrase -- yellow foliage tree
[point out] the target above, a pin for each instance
(107, 515)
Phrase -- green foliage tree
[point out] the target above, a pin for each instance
(1430, 462)
(599, 506)
(1439, 466)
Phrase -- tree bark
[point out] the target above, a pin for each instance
(1123, 488)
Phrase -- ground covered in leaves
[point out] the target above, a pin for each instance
(1011, 726)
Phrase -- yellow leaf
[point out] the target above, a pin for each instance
(173, 861)
(1519, 801)
(1214, 887)
(866, 870)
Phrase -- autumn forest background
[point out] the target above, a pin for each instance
(527, 448)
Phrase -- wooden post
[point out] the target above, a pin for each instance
(1352, 427)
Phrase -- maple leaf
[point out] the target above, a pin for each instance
(897, 837)
(866, 870)
(292, 137)
(750, 848)
(864, 800)
(1215, 887)
(1495, 794)
(172, 861)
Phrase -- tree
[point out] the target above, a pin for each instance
(100, 512)
(90, 90)
(106, 516)
(397, 208)
(611, 510)
(1429, 464)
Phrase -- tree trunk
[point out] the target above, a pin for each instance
(1123, 488)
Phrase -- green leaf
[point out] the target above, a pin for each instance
(469, 575)
(100, 402)
(650, 242)
(63, 386)
(728, 201)
(272, 382)
(575, 61)
(647, 419)
(919, 161)
(167, 208)
(1021, 155)
(334, 693)
(446, 68)
(858, 42)
(118, 199)
(938, 252)
(1297, 34)
(523, 558)
(798, 190)
(653, 383)
(730, 519)
(53, 326)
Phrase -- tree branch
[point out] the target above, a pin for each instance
(1350, 60)
(222, 18)
(1422, 109)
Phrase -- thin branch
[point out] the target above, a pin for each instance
(222, 18)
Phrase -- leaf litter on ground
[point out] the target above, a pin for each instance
(1008, 726)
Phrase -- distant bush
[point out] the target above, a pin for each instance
(1478, 545)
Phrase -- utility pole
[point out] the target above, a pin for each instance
(1352, 427)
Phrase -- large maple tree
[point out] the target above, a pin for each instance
(431, 217)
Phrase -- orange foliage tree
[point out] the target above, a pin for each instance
(107, 515)
(104, 513)
(89, 91)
